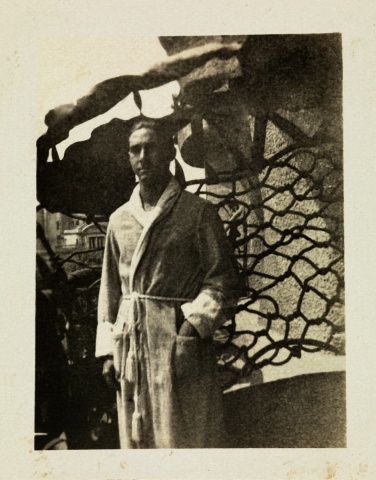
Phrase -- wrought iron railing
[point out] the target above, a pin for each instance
(289, 245)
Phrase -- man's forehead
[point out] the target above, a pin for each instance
(144, 135)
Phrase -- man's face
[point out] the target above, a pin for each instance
(148, 157)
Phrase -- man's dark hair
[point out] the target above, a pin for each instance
(164, 134)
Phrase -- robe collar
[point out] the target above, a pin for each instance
(168, 197)
(148, 219)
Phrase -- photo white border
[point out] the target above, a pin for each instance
(26, 21)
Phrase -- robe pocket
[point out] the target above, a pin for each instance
(188, 356)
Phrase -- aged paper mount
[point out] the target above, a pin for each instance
(25, 25)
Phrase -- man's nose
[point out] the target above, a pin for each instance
(143, 154)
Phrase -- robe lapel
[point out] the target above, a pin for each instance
(149, 219)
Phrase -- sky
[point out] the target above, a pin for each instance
(68, 68)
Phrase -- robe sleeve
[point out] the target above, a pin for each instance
(109, 295)
(222, 284)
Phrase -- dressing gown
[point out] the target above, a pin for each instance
(161, 267)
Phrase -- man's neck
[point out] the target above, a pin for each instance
(151, 193)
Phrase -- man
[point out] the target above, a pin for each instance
(169, 280)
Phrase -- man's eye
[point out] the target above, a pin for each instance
(134, 150)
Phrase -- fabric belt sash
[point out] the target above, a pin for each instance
(130, 369)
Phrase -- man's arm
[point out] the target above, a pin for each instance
(188, 330)
(222, 284)
(109, 295)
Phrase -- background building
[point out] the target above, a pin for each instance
(67, 233)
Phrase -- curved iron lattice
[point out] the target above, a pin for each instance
(289, 246)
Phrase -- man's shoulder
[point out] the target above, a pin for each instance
(119, 212)
(192, 200)
(197, 205)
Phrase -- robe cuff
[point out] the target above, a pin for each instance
(204, 314)
(104, 342)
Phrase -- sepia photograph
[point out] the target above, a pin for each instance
(190, 276)
(187, 206)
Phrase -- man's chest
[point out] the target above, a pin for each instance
(168, 237)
